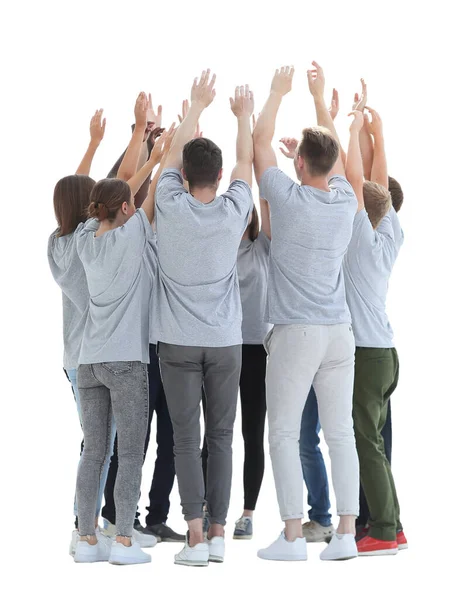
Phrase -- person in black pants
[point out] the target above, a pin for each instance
(253, 257)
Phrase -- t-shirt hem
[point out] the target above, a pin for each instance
(199, 343)
(379, 346)
(343, 321)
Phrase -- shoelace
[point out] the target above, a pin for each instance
(242, 524)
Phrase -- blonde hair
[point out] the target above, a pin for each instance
(377, 201)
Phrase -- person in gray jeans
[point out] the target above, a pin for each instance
(117, 248)
(198, 317)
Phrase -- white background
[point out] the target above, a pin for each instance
(63, 60)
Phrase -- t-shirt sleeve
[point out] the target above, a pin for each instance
(135, 233)
(390, 227)
(338, 182)
(170, 184)
(240, 196)
(275, 186)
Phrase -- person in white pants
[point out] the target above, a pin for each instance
(312, 339)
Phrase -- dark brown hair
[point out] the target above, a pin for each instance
(397, 195)
(319, 149)
(71, 199)
(107, 198)
(254, 227)
(202, 161)
(377, 201)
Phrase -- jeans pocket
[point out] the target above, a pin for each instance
(118, 368)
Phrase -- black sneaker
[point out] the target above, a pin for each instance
(164, 533)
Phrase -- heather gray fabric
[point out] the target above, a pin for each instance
(69, 273)
(197, 292)
(120, 388)
(252, 265)
(311, 231)
(367, 268)
(184, 369)
(119, 269)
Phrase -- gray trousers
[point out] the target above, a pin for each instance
(119, 389)
(184, 370)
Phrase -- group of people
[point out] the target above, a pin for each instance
(177, 298)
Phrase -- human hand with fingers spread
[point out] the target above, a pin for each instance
(203, 92)
(334, 106)
(359, 102)
(282, 81)
(242, 104)
(316, 80)
(376, 125)
(358, 120)
(162, 145)
(291, 144)
(97, 127)
(152, 116)
(140, 111)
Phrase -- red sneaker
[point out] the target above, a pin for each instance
(361, 533)
(370, 546)
(402, 543)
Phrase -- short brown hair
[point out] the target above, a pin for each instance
(71, 198)
(319, 149)
(254, 227)
(397, 195)
(377, 201)
(202, 161)
(107, 198)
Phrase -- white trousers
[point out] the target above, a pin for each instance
(300, 356)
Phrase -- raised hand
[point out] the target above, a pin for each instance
(140, 110)
(358, 120)
(334, 106)
(97, 127)
(155, 133)
(316, 80)
(291, 144)
(203, 91)
(376, 125)
(152, 117)
(162, 145)
(359, 102)
(243, 103)
(282, 81)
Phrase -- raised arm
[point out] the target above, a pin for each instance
(264, 155)
(365, 139)
(158, 155)
(243, 107)
(379, 173)
(202, 95)
(97, 129)
(316, 81)
(128, 166)
(354, 164)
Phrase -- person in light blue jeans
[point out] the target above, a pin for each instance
(72, 377)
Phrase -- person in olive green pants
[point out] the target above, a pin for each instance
(376, 377)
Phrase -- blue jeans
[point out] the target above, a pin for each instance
(312, 463)
(72, 376)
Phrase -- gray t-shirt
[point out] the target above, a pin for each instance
(367, 268)
(69, 273)
(118, 265)
(311, 230)
(253, 261)
(197, 299)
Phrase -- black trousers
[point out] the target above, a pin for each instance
(386, 433)
(253, 413)
(164, 471)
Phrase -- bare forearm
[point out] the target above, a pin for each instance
(137, 180)
(183, 135)
(354, 167)
(266, 123)
(324, 118)
(130, 160)
(244, 145)
(85, 165)
(367, 152)
(149, 203)
(379, 172)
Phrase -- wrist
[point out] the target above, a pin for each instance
(94, 144)
(319, 100)
(140, 128)
(276, 94)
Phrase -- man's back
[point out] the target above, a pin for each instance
(311, 229)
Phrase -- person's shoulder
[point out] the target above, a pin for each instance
(239, 186)
(340, 182)
(275, 182)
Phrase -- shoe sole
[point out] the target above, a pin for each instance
(216, 559)
(390, 552)
(172, 541)
(129, 561)
(402, 546)
(242, 537)
(191, 563)
(88, 559)
(283, 558)
(339, 558)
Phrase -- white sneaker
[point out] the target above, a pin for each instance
(282, 549)
(314, 532)
(73, 544)
(128, 555)
(341, 547)
(88, 553)
(144, 540)
(216, 548)
(197, 556)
